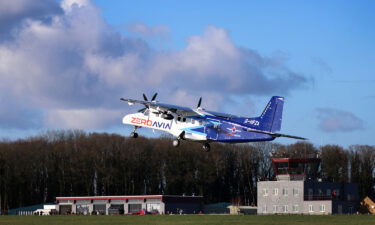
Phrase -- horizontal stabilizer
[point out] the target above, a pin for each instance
(275, 134)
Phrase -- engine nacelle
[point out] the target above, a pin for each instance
(167, 116)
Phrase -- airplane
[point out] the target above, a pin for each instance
(200, 125)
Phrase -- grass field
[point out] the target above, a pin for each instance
(188, 220)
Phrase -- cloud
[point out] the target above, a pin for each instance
(81, 118)
(323, 66)
(335, 120)
(160, 31)
(13, 13)
(72, 69)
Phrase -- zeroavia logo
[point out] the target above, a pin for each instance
(150, 123)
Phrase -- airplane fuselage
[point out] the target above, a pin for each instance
(206, 126)
(205, 129)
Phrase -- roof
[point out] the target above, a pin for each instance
(169, 197)
(278, 160)
(28, 208)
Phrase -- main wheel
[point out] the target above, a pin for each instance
(206, 147)
(176, 143)
(134, 135)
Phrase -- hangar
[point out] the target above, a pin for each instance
(138, 204)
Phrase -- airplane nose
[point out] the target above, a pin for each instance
(125, 119)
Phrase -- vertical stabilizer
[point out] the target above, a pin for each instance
(270, 119)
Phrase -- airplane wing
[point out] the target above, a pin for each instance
(275, 134)
(163, 108)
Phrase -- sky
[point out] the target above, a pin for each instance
(65, 64)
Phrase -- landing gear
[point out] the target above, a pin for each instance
(176, 143)
(206, 147)
(133, 134)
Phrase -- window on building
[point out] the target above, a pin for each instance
(329, 192)
(295, 208)
(322, 208)
(295, 191)
(311, 208)
(311, 192)
(275, 191)
(285, 208)
(285, 191)
(265, 192)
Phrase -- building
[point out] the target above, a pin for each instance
(106, 205)
(40, 209)
(297, 190)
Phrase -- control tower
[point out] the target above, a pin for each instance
(296, 169)
(298, 189)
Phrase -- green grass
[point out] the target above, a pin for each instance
(188, 220)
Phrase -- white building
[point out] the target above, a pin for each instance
(139, 204)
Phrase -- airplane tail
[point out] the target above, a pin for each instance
(270, 119)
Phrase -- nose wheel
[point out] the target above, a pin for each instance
(134, 134)
(176, 143)
(206, 147)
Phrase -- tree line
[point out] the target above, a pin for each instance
(74, 163)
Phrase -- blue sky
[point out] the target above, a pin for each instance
(66, 63)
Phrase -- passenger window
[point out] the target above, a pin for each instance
(179, 118)
(184, 119)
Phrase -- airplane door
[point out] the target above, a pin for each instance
(212, 133)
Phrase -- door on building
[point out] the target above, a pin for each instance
(339, 209)
(116, 209)
(100, 209)
(153, 208)
(65, 209)
(82, 209)
(132, 208)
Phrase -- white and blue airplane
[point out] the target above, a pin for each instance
(206, 126)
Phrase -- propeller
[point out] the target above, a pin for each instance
(199, 102)
(146, 99)
(154, 97)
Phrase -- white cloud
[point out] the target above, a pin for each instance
(335, 120)
(13, 13)
(160, 31)
(81, 118)
(73, 69)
